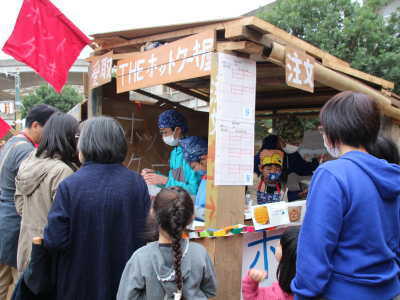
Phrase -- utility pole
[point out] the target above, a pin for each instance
(17, 86)
(17, 98)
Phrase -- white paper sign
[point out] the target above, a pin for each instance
(236, 88)
(234, 154)
(277, 214)
(234, 119)
(259, 253)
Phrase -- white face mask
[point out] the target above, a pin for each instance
(170, 140)
(334, 152)
(289, 149)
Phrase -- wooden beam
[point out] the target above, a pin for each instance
(359, 74)
(285, 111)
(224, 207)
(262, 26)
(187, 91)
(238, 32)
(118, 56)
(278, 115)
(288, 105)
(341, 82)
(162, 99)
(172, 35)
(327, 59)
(95, 102)
(115, 56)
(242, 47)
(250, 32)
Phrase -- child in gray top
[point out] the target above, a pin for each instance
(172, 268)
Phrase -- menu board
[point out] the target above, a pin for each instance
(234, 120)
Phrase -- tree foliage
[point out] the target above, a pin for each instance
(348, 29)
(64, 101)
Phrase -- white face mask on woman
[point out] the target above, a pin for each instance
(289, 149)
(170, 140)
(334, 152)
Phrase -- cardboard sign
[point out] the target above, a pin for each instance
(100, 70)
(259, 253)
(183, 59)
(299, 70)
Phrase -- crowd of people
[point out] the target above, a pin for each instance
(104, 237)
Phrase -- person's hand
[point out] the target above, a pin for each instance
(257, 275)
(146, 171)
(303, 194)
(153, 178)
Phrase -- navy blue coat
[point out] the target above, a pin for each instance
(96, 223)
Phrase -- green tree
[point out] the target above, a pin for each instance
(64, 101)
(350, 30)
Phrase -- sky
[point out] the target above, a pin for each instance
(97, 16)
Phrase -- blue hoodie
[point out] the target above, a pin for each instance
(349, 243)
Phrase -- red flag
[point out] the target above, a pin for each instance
(4, 128)
(44, 39)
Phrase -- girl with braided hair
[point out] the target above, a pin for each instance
(172, 267)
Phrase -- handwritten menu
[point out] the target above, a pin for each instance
(234, 120)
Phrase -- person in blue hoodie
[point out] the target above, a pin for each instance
(349, 242)
(195, 151)
(173, 127)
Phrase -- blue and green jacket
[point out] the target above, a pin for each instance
(181, 174)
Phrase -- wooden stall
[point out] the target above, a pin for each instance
(219, 61)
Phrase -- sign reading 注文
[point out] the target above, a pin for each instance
(299, 70)
(183, 59)
(100, 70)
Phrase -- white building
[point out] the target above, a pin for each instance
(12, 70)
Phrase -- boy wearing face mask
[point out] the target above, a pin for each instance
(173, 128)
(293, 164)
(195, 153)
(271, 188)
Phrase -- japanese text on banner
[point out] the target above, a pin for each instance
(299, 70)
(100, 70)
(183, 59)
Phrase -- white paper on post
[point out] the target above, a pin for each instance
(235, 119)
(235, 151)
(236, 88)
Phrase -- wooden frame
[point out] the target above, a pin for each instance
(258, 40)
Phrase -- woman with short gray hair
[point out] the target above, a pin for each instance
(98, 216)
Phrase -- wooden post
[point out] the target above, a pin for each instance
(225, 206)
(391, 129)
(95, 102)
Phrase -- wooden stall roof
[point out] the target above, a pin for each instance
(142, 32)
(265, 43)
